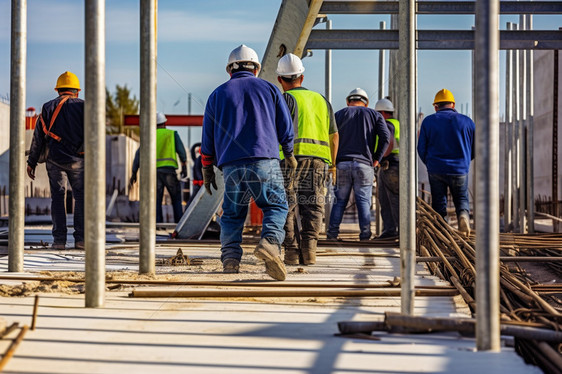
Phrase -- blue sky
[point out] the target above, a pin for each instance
(195, 38)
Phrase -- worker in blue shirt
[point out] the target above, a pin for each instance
(168, 147)
(61, 129)
(446, 147)
(363, 140)
(245, 121)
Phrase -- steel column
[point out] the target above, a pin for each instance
(530, 136)
(381, 65)
(508, 135)
(407, 105)
(147, 218)
(522, 127)
(515, 139)
(487, 175)
(16, 210)
(94, 149)
(328, 68)
(555, 79)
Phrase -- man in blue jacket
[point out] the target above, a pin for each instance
(364, 139)
(245, 121)
(61, 129)
(446, 147)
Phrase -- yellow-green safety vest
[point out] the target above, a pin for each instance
(313, 138)
(166, 148)
(396, 148)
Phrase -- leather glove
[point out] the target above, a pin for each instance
(209, 178)
(183, 171)
(133, 180)
(332, 172)
(291, 166)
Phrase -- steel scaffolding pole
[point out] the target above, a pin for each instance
(515, 140)
(147, 217)
(94, 149)
(407, 110)
(530, 135)
(18, 61)
(508, 134)
(328, 68)
(486, 50)
(381, 65)
(522, 127)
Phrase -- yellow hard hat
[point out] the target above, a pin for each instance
(444, 96)
(68, 80)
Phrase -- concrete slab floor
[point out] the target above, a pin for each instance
(228, 335)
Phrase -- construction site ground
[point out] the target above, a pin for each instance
(230, 334)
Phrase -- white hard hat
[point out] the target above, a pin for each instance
(289, 66)
(160, 118)
(240, 55)
(358, 94)
(384, 105)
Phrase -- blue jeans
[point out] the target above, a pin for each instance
(261, 180)
(59, 174)
(168, 179)
(389, 188)
(457, 184)
(359, 176)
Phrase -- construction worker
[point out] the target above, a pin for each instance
(60, 131)
(363, 140)
(388, 178)
(245, 121)
(316, 146)
(197, 171)
(168, 145)
(446, 147)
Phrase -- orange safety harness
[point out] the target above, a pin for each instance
(53, 118)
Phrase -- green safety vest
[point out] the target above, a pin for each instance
(166, 148)
(396, 148)
(313, 138)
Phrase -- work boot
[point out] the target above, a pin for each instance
(291, 256)
(79, 245)
(464, 223)
(308, 248)
(269, 252)
(58, 246)
(231, 266)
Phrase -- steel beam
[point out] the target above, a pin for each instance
(515, 139)
(522, 128)
(18, 62)
(430, 39)
(530, 136)
(487, 176)
(147, 217)
(508, 134)
(438, 7)
(94, 149)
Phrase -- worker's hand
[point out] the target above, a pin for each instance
(375, 164)
(385, 165)
(209, 178)
(133, 180)
(31, 172)
(291, 166)
(183, 171)
(333, 173)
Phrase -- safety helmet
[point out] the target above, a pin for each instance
(290, 66)
(160, 118)
(358, 94)
(68, 80)
(242, 56)
(384, 105)
(444, 96)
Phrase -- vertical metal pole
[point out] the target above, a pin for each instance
(148, 14)
(522, 126)
(515, 139)
(16, 219)
(507, 221)
(393, 69)
(530, 135)
(407, 109)
(382, 56)
(486, 48)
(556, 76)
(94, 147)
(328, 69)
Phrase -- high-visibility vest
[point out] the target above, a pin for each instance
(166, 148)
(396, 148)
(313, 138)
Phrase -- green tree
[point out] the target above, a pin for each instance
(117, 105)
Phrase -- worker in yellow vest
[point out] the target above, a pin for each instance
(316, 147)
(168, 147)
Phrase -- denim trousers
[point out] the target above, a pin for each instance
(389, 188)
(59, 175)
(359, 176)
(263, 182)
(457, 184)
(165, 178)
